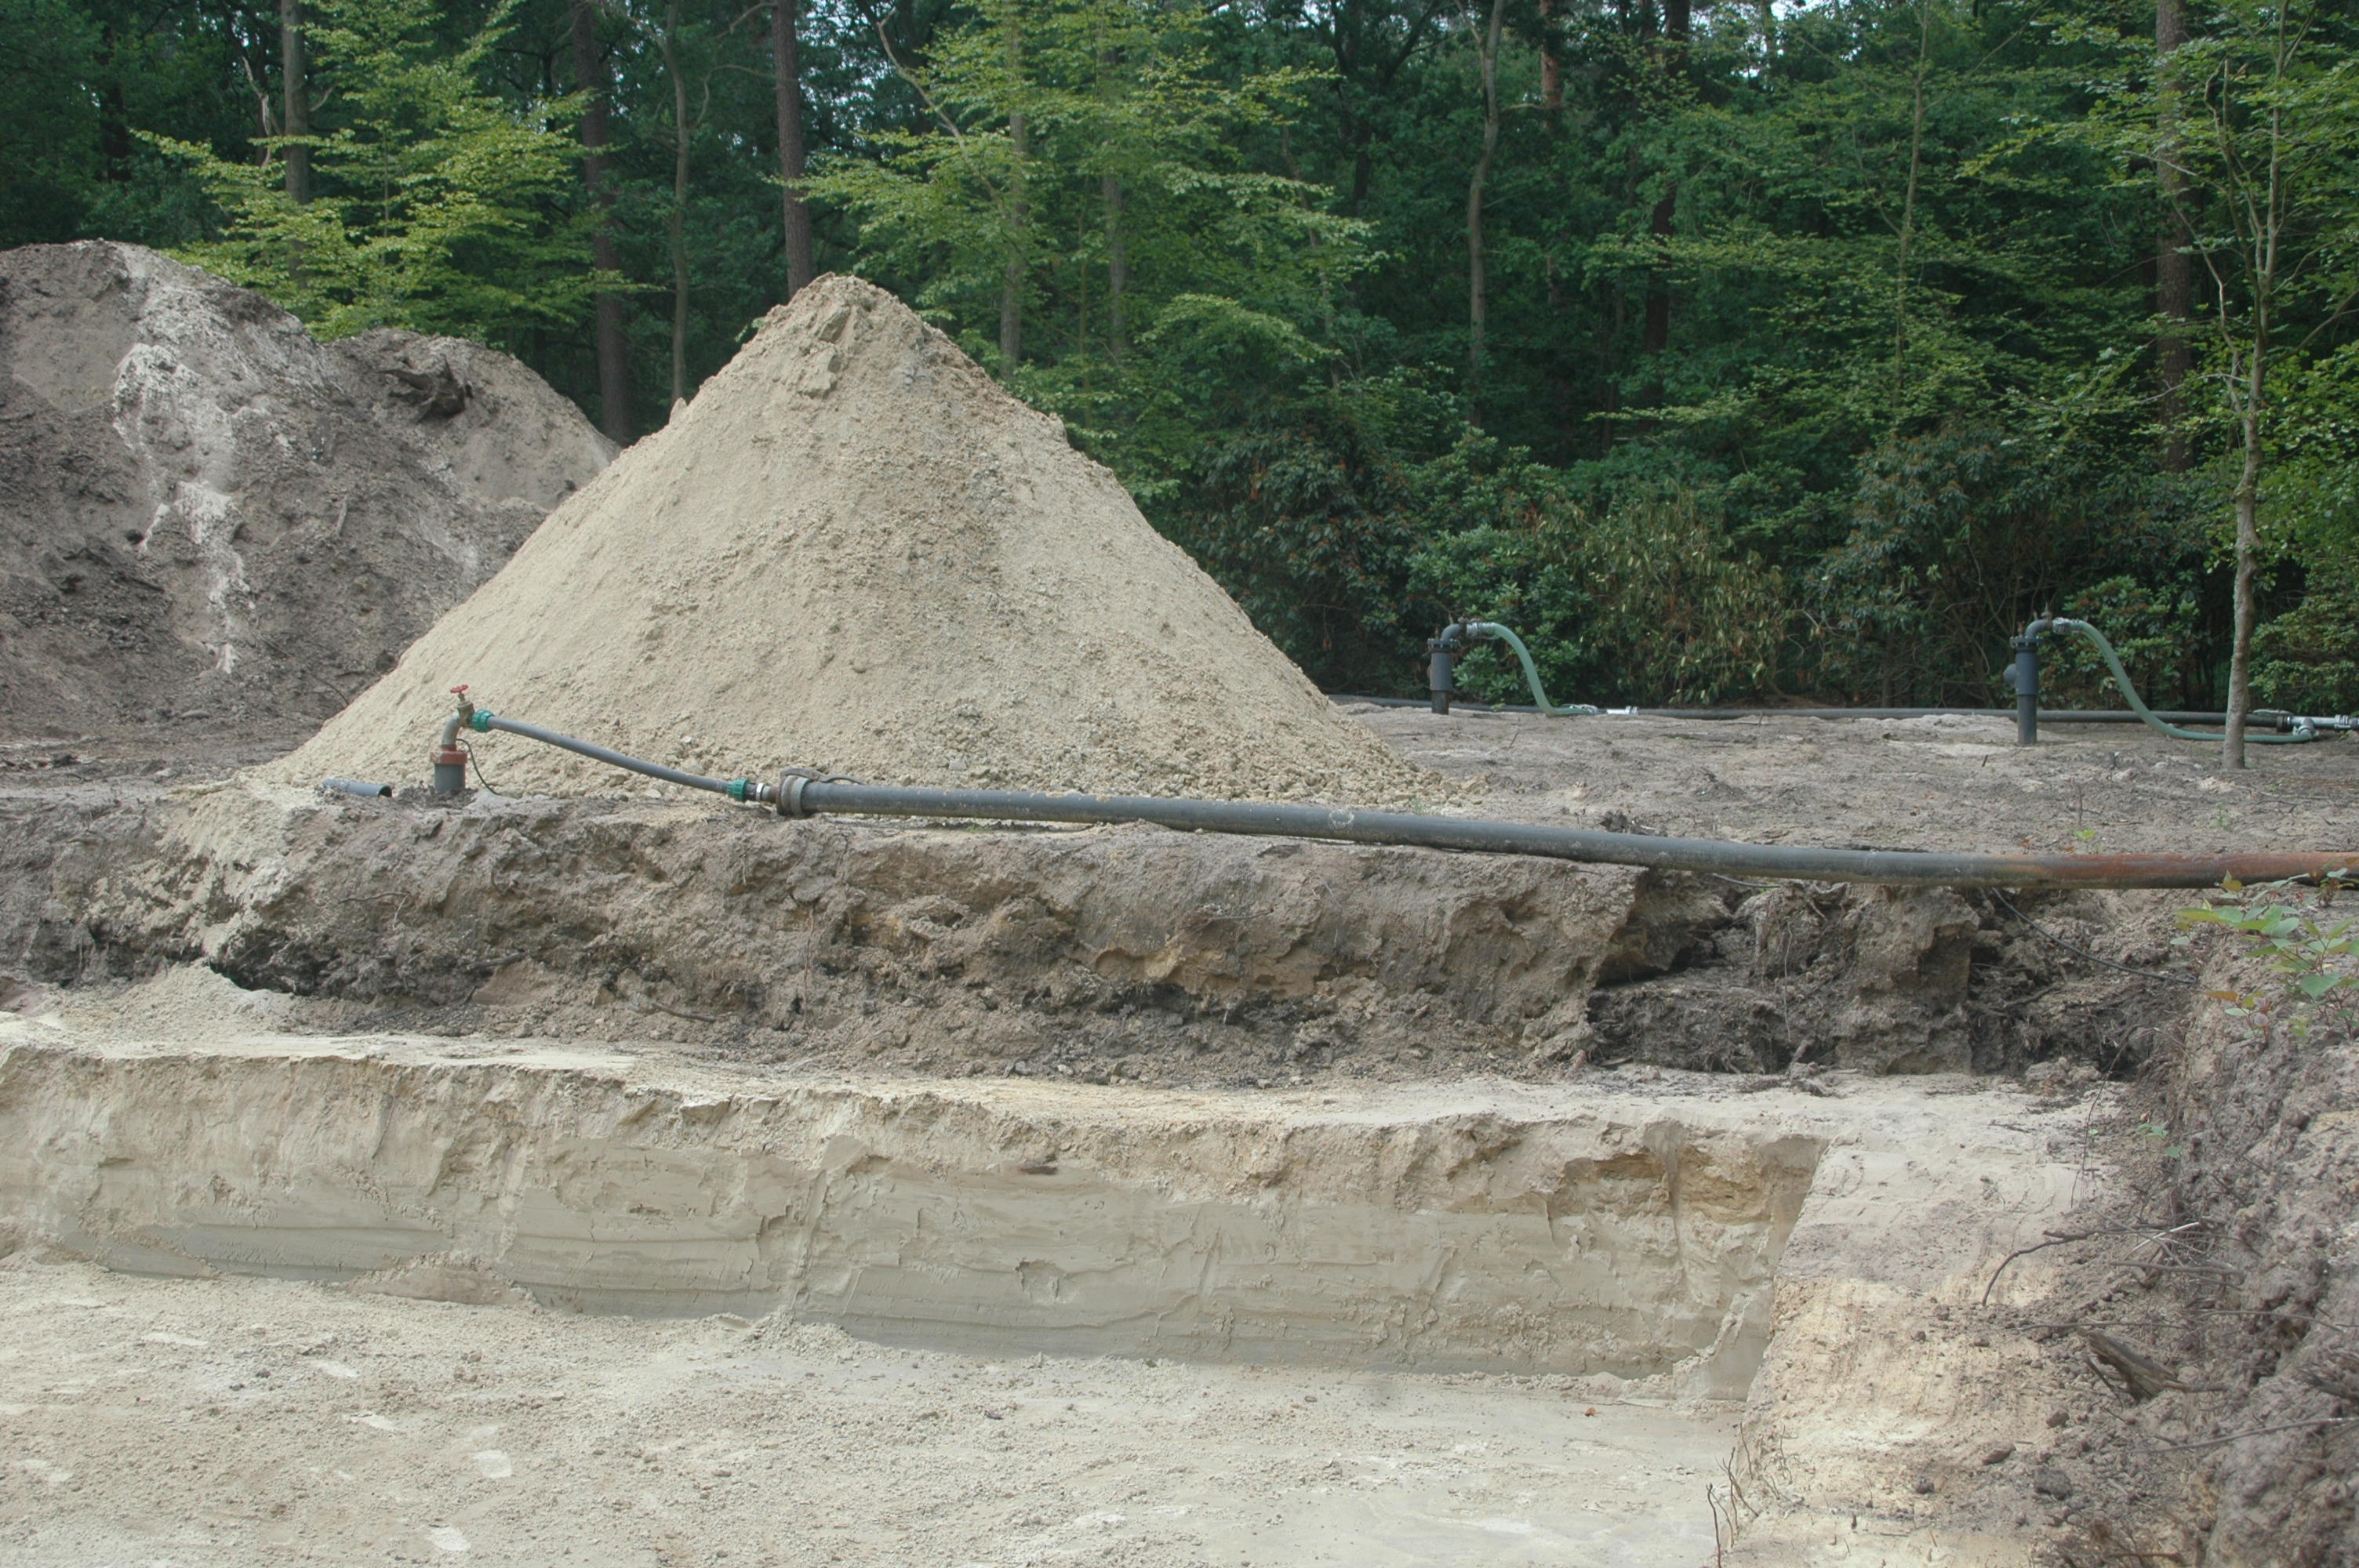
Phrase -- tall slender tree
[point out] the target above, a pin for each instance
(683, 135)
(1011, 288)
(1673, 60)
(786, 69)
(1486, 42)
(614, 348)
(295, 90)
(2174, 268)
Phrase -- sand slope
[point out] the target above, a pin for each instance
(855, 552)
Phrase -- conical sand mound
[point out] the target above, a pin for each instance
(854, 552)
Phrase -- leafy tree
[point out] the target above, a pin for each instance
(1077, 184)
(434, 204)
(2256, 117)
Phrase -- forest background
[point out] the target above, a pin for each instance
(1728, 351)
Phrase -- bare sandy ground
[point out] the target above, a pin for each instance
(196, 1423)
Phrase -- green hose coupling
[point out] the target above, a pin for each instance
(737, 788)
(481, 721)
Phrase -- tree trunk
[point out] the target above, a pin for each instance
(1475, 289)
(1676, 14)
(295, 89)
(1117, 266)
(1011, 287)
(678, 228)
(1551, 67)
(2174, 274)
(787, 69)
(113, 114)
(1909, 211)
(2248, 495)
(613, 350)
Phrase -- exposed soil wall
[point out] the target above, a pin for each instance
(1010, 1218)
(2226, 1262)
(1133, 952)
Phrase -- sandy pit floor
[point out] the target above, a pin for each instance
(190, 1423)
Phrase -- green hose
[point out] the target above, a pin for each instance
(2122, 679)
(1531, 673)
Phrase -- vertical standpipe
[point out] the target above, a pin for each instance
(1442, 670)
(2027, 683)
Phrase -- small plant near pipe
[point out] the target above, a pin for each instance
(2289, 928)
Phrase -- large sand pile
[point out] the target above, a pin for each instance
(214, 528)
(855, 552)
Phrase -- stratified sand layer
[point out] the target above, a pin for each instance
(854, 552)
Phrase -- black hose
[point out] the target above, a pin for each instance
(799, 795)
(653, 769)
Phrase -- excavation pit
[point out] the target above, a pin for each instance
(1482, 1320)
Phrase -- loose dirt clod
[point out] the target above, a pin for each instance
(854, 552)
(216, 531)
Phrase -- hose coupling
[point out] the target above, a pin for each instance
(788, 796)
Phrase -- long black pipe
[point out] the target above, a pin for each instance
(799, 796)
(2047, 716)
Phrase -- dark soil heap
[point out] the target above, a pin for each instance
(213, 526)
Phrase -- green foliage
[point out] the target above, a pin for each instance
(1962, 534)
(49, 137)
(2152, 627)
(1128, 137)
(2288, 928)
(1786, 387)
(1648, 601)
(2308, 660)
(1311, 524)
(432, 200)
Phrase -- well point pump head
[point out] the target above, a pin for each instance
(449, 757)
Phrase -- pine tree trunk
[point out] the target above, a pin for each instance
(1011, 287)
(1476, 284)
(613, 349)
(295, 88)
(1909, 212)
(1677, 16)
(1551, 67)
(2174, 269)
(1117, 266)
(787, 71)
(679, 225)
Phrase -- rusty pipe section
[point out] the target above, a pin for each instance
(795, 795)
